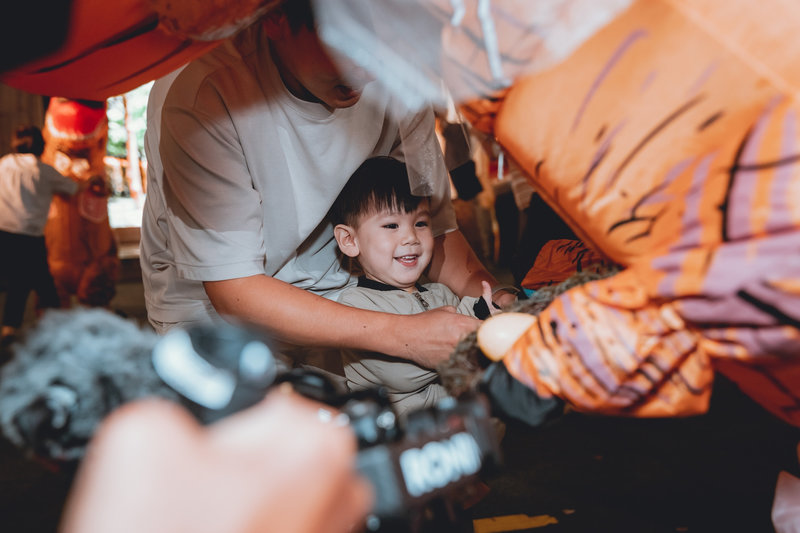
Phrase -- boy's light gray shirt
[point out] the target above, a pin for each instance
(409, 385)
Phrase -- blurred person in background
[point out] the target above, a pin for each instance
(26, 188)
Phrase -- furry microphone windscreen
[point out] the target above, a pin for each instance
(68, 373)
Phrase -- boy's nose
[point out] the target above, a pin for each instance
(410, 236)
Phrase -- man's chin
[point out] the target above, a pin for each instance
(345, 97)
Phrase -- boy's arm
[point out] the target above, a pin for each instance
(61, 184)
(293, 315)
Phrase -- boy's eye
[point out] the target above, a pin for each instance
(390, 226)
(422, 224)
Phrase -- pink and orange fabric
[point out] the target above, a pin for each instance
(560, 259)
(670, 142)
(111, 48)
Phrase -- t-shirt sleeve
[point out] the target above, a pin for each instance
(215, 218)
(420, 149)
(59, 183)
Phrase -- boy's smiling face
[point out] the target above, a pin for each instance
(394, 247)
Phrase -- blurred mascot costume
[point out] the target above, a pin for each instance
(81, 249)
(114, 47)
(670, 142)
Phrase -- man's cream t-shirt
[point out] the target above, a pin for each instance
(246, 177)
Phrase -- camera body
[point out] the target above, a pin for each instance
(431, 454)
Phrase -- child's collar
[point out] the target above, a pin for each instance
(367, 283)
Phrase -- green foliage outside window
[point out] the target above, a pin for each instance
(137, 107)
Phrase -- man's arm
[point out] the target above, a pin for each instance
(456, 265)
(294, 315)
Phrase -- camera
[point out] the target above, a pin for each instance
(77, 366)
(431, 455)
(428, 455)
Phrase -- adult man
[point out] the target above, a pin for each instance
(257, 139)
(26, 188)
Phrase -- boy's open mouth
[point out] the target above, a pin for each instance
(408, 260)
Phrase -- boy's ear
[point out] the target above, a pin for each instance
(345, 238)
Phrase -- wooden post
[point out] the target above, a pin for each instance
(133, 175)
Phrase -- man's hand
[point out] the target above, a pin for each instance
(429, 338)
(276, 467)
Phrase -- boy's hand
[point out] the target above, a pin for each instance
(503, 298)
(487, 296)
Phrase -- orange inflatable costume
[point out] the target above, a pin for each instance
(81, 249)
(110, 48)
(114, 47)
(674, 149)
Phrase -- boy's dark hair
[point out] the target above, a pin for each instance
(379, 183)
(28, 140)
(298, 14)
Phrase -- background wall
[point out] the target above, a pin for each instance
(17, 108)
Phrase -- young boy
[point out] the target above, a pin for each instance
(387, 231)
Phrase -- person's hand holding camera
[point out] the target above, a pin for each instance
(278, 466)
